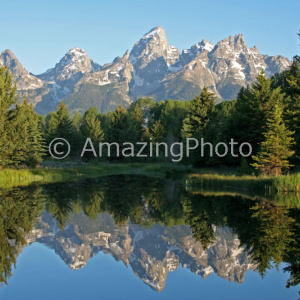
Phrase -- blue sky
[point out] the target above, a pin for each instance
(41, 32)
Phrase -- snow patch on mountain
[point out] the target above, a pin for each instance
(152, 68)
(152, 33)
(239, 68)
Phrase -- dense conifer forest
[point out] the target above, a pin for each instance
(265, 114)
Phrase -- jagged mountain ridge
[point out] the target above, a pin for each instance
(151, 252)
(152, 68)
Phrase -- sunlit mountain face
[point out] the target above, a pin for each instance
(153, 226)
(152, 68)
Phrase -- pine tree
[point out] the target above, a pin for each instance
(77, 121)
(200, 113)
(195, 125)
(289, 81)
(27, 136)
(59, 125)
(121, 128)
(7, 100)
(37, 148)
(21, 140)
(138, 122)
(171, 114)
(248, 122)
(294, 109)
(91, 128)
(275, 149)
(158, 132)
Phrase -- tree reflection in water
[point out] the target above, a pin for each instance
(269, 232)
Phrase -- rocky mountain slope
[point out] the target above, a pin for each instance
(152, 68)
(151, 252)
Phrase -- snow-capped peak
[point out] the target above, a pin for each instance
(76, 51)
(74, 56)
(74, 61)
(205, 45)
(151, 46)
(154, 32)
(25, 80)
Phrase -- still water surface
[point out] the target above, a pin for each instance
(138, 237)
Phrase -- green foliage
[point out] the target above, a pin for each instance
(121, 128)
(264, 185)
(200, 113)
(246, 119)
(171, 114)
(146, 105)
(274, 235)
(289, 81)
(19, 209)
(91, 128)
(275, 149)
(138, 122)
(60, 125)
(124, 127)
(7, 100)
(200, 224)
(21, 140)
(271, 234)
(27, 135)
(197, 124)
(157, 132)
(77, 120)
(248, 122)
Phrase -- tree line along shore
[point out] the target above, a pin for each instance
(265, 114)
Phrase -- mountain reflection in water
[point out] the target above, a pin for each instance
(153, 225)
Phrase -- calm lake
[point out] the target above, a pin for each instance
(139, 237)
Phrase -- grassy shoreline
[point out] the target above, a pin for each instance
(267, 184)
(225, 179)
(12, 177)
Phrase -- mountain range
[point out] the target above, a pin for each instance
(150, 252)
(152, 68)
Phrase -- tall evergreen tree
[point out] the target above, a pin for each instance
(275, 149)
(121, 129)
(171, 114)
(27, 135)
(7, 100)
(248, 122)
(77, 119)
(157, 132)
(120, 126)
(200, 113)
(59, 125)
(91, 128)
(21, 139)
(138, 122)
(289, 81)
